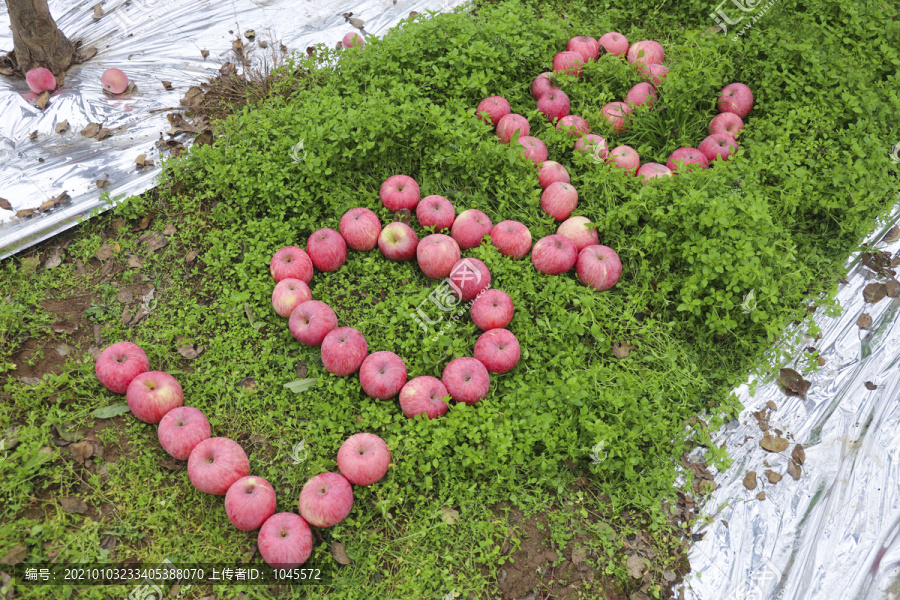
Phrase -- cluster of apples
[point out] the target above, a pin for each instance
(734, 104)
(383, 374)
(219, 465)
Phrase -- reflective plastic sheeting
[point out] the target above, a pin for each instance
(832, 534)
(151, 41)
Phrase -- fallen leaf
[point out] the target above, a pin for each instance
(892, 235)
(761, 496)
(103, 134)
(773, 443)
(43, 100)
(4, 204)
(193, 97)
(773, 476)
(250, 34)
(449, 515)
(91, 130)
(263, 44)
(358, 23)
(578, 555)
(340, 553)
(81, 451)
(141, 161)
(62, 350)
(125, 297)
(98, 11)
(238, 46)
(15, 555)
(190, 351)
(73, 504)
(204, 53)
(870, 386)
(750, 480)
(771, 405)
(105, 252)
(61, 127)
(54, 260)
(301, 385)
(169, 229)
(108, 412)
(227, 69)
(190, 256)
(70, 433)
(166, 84)
(109, 542)
(27, 212)
(793, 383)
(156, 242)
(874, 292)
(794, 469)
(302, 370)
(102, 183)
(63, 327)
(636, 566)
(892, 288)
(798, 454)
(144, 223)
(134, 262)
(864, 321)
(622, 349)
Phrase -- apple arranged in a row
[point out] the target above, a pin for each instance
(219, 466)
(40, 80)
(734, 103)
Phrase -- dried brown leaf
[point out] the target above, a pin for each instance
(798, 454)
(63, 327)
(134, 262)
(449, 515)
(870, 386)
(4, 204)
(636, 566)
(750, 480)
(169, 229)
(43, 100)
(73, 504)
(156, 242)
(793, 383)
(773, 476)
(16, 555)
(340, 553)
(892, 288)
(54, 260)
(98, 11)
(103, 134)
(102, 183)
(622, 349)
(125, 297)
(794, 469)
(204, 53)
(190, 256)
(761, 496)
(821, 361)
(864, 321)
(193, 97)
(145, 222)
(61, 127)
(91, 130)
(771, 405)
(27, 212)
(190, 351)
(773, 443)
(105, 252)
(892, 235)
(167, 85)
(227, 69)
(81, 451)
(874, 292)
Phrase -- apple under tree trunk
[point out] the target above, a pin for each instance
(37, 40)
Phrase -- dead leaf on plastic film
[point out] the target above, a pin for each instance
(622, 349)
(27, 212)
(773, 443)
(227, 69)
(167, 85)
(798, 454)
(61, 127)
(773, 476)
(142, 162)
(794, 469)
(892, 235)
(874, 292)
(91, 130)
(793, 383)
(864, 321)
(193, 97)
(870, 386)
(102, 183)
(750, 480)
(4, 204)
(892, 288)
(43, 100)
(340, 553)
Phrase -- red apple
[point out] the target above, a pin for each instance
(574, 125)
(363, 458)
(550, 172)
(726, 122)
(650, 171)
(615, 43)
(492, 109)
(382, 375)
(542, 84)
(360, 228)
(718, 145)
(568, 62)
(41, 80)
(436, 255)
(353, 39)
(616, 114)
(398, 241)
(285, 541)
(327, 249)
(114, 81)
(586, 46)
(492, 310)
(399, 192)
(291, 262)
(686, 159)
(647, 52)
(215, 464)
(554, 105)
(343, 351)
(578, 230)
(508, 125)
(326, 500)
(736, 98)
(498, 350)
(641, 94)
(654, 74)
(469, 228)
(469, 277)
(598, 267)
(554, 254)
(512, 238)
(249, 502)
(288, 295)
(466, 380)
(119, 364)
(181, 429)
(424, 395)
(624, 157)
(152, 394)
(311, 321)
(559, 200)
(593, 144)
(534, 149)
(435, 211)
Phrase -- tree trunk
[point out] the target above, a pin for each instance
(37, 40)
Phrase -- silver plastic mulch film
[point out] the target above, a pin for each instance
(152, 41)
(832, 534)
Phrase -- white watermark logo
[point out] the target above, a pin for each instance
(895, 153)
(451, 595)
(296, 151)
(152, 589)
(749, 303)
(3, 450)
(760, 584)
(448, 296)
(598, 454)
(299, 453)
(599, 148)
(740, 10)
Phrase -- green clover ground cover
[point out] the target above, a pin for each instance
(812, 174)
